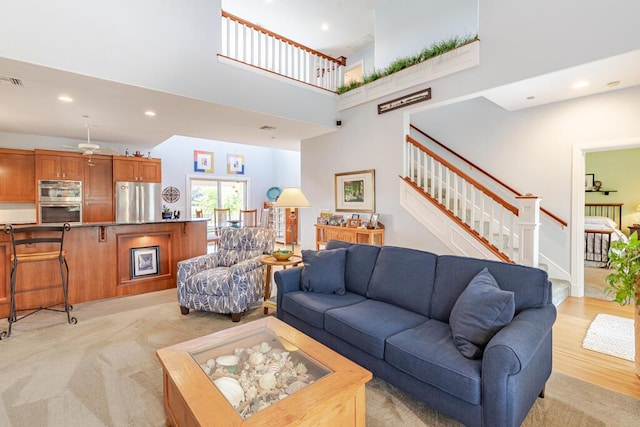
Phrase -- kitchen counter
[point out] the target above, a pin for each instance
(101, 259)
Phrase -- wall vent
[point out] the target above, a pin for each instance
(11, 80)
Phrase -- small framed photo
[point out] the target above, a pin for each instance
(589, 180)
(322, 220)
(145, 262)
(355, 216)
(373, 222)
(353, 222)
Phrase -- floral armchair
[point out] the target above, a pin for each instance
(228, 281)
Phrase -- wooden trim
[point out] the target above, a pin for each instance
(479, 169)
(494, 249)
(472, 181)
(282, 38)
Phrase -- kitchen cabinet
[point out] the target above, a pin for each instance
(280, 220)
(59, 165)
(138, 169)
(98, 190)
(17, 176)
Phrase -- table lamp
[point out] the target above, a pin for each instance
(292, 197)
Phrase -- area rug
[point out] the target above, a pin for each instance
(612, 335)
(103, 372)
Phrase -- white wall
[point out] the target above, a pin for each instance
(264, 167)
(405, 27)
(169, 46)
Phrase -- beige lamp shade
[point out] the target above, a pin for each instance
(292, 197)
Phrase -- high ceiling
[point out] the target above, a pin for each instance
(33, 108)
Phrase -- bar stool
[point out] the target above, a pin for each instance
(37, 244)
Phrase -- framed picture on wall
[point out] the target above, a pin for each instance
(145, 262)
(355, 191)
(589, 179)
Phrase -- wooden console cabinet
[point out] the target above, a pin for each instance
(324, 233)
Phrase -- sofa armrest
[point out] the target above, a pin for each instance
(515, 366)
(288, 280)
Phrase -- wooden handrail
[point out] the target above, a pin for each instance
(479, 169)
(341, 61)
(497, 252)
(467, 178)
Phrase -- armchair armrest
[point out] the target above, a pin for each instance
(243, 267)
(516, 364)
(194, 265)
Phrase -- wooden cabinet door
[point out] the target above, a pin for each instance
(17, 176)
(72, 167)
(68, 166)
(150, 171)
(125, 170)
(48, 167)
(98, 190)
(98, 211)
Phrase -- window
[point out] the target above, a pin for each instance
(208, 194)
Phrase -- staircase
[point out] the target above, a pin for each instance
(470, 218)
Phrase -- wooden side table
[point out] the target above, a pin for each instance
(634, 227)
(269, 261)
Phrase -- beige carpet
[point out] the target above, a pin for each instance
(103, 372)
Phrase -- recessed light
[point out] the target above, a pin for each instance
(150, 113)
(581, 84)
(324, 26)
(613, 83)
(65, 98)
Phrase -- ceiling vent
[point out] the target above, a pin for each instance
(11, 80)
(265, 127)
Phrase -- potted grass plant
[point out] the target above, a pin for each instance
(624, 284)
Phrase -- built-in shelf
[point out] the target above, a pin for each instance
(606, 192)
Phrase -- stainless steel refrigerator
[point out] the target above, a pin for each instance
(138, 202)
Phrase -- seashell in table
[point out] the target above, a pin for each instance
(231, 389)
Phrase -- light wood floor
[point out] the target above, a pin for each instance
(574, 317)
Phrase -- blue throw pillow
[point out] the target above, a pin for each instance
(479, 313)
(324, 271)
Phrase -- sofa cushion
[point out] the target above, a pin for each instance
(453, 273)
(324, 271)
(311, 307)
(361, 259)
(428, 353)
(480, 312)
(367, 324)
(403, 277)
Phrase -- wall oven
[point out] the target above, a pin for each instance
(60, 201)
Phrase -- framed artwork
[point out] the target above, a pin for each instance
(235, 164)
(355, 191)
(203, 161)
(353, 222)
(145, 262)
(373, 222)
(355, 216)
(589, 180)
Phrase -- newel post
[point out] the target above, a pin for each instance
(529, 223)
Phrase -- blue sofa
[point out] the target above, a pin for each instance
(405, 315)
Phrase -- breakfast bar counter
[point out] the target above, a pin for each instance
(107, 260)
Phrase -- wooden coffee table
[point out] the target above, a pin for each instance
(192, 399)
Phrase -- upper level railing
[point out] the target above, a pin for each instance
(556, 218)
(253, 45)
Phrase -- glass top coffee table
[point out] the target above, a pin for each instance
(261, 373)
